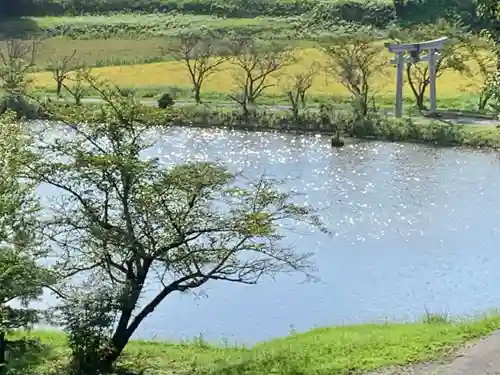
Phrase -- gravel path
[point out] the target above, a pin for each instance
(478, 358)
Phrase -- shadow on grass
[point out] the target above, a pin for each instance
(24, 355)
(18, 28)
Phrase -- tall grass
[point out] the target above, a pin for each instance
(324, 351)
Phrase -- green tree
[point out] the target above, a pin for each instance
(355, 60)
(202, 53)
(17, 58)
(21, 277)
(481, 51)
(256, 63)
(125, 219)
(489, 10)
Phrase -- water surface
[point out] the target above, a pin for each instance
(413, 228)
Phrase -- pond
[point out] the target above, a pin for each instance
(414, 229)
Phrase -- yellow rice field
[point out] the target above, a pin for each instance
(172, 73)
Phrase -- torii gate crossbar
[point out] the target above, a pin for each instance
(432, 46)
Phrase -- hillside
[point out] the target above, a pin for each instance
(379, 13)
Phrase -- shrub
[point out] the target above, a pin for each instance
(165, 101)
(22, 107)
(378, 13)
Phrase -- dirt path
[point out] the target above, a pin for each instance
(478, 358)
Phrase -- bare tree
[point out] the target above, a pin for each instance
(452, 57)
(301, 82)
(60, 69)
(126, 219)
(202, 55)
(77, 89)
(355, 59)
(17, 57)
(256, 62)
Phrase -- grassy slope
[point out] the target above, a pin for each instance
(324, 351)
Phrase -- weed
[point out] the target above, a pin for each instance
(322, 351)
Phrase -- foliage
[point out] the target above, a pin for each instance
(76, 89)
(256, 62)
(324, 351)
(377, 13)
(61, 68)
(125, 219)
(494, 91)
(354, 59)
(88, 314)
(165, 101)
(489, 10)
(301, 83)
(482, 52)
(202, 54)
(21, 277)
(15, 62)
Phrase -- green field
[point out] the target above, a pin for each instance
(323, 351)
(141, 26)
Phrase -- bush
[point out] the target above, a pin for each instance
(165, 101)
(22, 107)
(230, 8)
(88, 321)
(378, 13)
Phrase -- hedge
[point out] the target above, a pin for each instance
(379, 13)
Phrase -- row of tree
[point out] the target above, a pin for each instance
(353, 58)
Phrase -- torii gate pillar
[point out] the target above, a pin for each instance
(413, 49)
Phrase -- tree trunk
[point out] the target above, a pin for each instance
(303, 99)
(114, 350)
(197, 94)
(244, 105)
(294, 104)
(420, 101)
(498, 56)
(59, 88)
(3, 348)
(483, 101)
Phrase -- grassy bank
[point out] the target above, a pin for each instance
(335, 119)
(323, 351)
(184, 94)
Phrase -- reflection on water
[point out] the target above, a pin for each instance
(414, 228)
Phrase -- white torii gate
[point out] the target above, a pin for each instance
(432, 47)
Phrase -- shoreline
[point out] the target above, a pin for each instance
(333, 350)
(377, 127)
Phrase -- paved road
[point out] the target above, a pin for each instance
(456, 120)
(479, 358)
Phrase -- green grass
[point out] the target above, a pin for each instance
(154, 19)
(142, 26)
(322, 351)
(461, 102)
